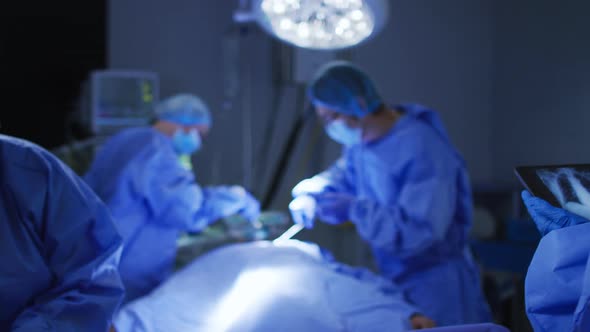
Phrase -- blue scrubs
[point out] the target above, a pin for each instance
(413, 205)
(557, 287)
(152, 198)
(59, 249)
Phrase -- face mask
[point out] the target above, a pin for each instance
(186, 143)
(343, 134)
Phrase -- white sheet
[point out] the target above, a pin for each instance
(262, 286)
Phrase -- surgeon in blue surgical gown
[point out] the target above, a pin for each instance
(144, 176)
(404, 186)
(557, 286)
(59, 249)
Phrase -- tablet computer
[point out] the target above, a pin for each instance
(557, 184)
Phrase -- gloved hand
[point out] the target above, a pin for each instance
(251, 209)
(314, 185)
(334, 208)
(547, 217)
(303, 210)
(235, 199)
(248, 206)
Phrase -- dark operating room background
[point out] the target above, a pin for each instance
(511, 80)
(47, 49)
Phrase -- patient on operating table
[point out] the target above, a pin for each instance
(261, 286)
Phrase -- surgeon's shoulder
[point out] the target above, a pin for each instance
(420, 135)
(127, 142)
(25, 155)
(420, 142)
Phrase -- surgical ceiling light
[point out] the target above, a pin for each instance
(318, 24)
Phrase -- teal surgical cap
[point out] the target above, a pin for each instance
(184, 109)
(339, 85)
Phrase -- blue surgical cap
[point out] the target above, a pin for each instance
(339, 85)
(184, 109)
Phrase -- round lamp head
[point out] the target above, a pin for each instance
(321, 24)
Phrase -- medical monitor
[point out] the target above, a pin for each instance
(121, 99)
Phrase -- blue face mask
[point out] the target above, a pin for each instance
(343, 134)
(186, 143)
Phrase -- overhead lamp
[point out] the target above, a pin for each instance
(319, 24)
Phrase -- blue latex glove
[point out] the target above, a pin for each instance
(227, 200)
(235, 200)
(303, 210)
(334, 208)
(251, 209)
(547, 217)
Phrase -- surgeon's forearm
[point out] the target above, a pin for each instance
(334, 179)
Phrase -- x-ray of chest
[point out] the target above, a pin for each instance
(567, 184)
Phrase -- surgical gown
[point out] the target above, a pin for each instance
(413, 206)
(152, 198)
(59, 249)
(557, 286)
(261, 286)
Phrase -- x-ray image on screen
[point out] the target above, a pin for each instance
(571, 188)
